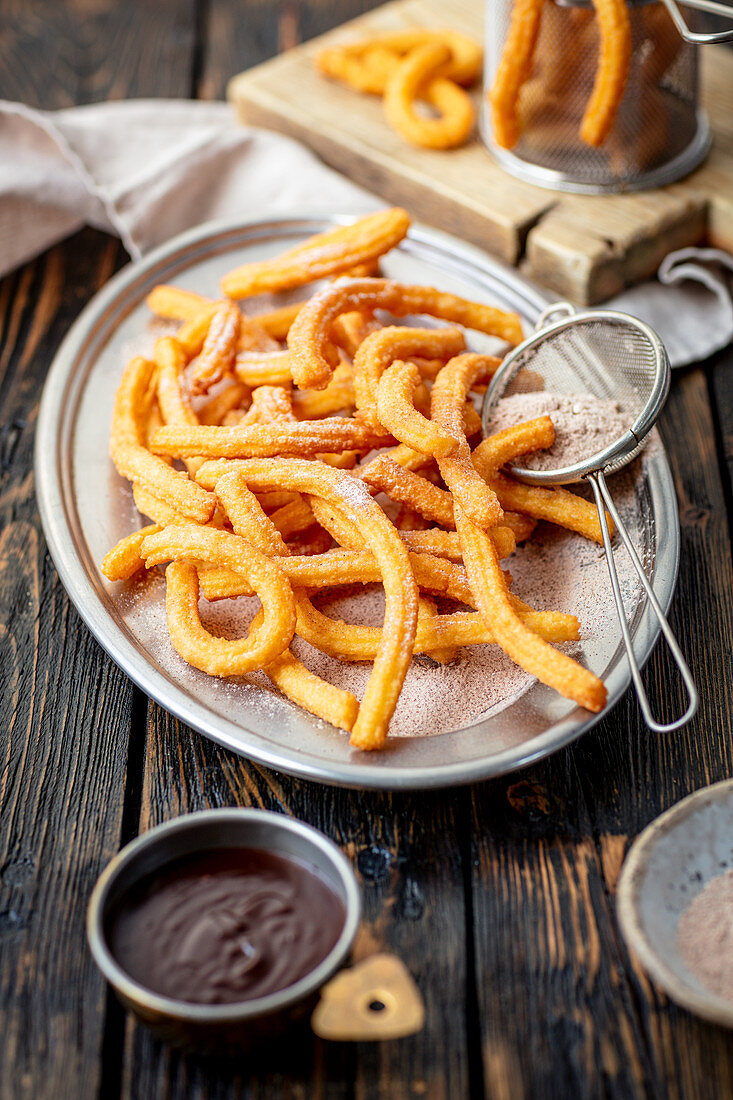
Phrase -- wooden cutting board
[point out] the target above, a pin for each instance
(585, 248)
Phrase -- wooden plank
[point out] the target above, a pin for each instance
(592, 247)
(236, 37)
(581, 247)
(462, 191)
(65, 714)
(549, 845)
(59, 55)
(407, 853)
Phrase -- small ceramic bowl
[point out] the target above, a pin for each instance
(246, 1025)
(668, 865)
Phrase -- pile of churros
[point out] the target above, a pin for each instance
(271, 469)
(515, 66)
(412, 68)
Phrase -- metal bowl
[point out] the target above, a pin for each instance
(246, 1025)
(668, 865)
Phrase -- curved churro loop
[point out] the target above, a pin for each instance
(396, 411)
(614, 27)
(367, 65)
(448, 400)
(325, 254)
(352, 497)
(513, 70)
(184, 543)
(522, 644)
(351, 642)
(367, 72)
(135, 462)
(382, 348)
(416, 77)
(309, 332)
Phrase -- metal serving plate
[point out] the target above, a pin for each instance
(85, 508)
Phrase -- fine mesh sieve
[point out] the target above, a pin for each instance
(612, 355)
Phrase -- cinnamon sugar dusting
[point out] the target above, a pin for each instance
(584, 425)
(555, 570)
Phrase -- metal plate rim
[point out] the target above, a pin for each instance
(55, 496)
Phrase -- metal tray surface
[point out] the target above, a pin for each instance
(86, 507)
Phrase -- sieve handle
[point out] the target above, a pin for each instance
(603, 501)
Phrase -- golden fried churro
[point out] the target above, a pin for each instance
(135, 462)
(309, 332)
(329, 253)
(416, 76)
(382, 348)
(613, 67)
(514, 68)
(449, 395)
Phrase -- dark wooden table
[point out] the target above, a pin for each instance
(499, 897)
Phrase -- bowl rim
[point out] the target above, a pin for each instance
(709, 1005)
(149, 1002)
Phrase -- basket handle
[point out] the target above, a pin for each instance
(712, 7)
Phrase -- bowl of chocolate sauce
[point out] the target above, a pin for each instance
(218, 929)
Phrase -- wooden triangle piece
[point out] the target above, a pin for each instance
(376, 999)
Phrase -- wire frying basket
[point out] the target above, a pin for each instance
(658, 134)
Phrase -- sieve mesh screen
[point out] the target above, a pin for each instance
(606, 355)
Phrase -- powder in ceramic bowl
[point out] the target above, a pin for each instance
(705, 936)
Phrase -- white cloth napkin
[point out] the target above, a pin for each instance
(148, 169)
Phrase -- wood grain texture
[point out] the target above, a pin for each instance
(83, 51)
(500, 898)
(66, 711)
(65, 714)
(238, 36)
(580, 247)
(549, 846)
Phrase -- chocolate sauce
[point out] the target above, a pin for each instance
(224, 926)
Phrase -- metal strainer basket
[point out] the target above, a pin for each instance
(659, 133)
(611, 355)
